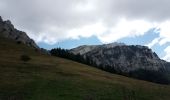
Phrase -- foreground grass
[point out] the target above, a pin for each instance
(50, 78)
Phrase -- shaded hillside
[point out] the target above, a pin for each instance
(49, 78)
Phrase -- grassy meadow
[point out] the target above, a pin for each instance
(50, 78)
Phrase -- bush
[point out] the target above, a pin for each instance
(25, 58)
(19, 42)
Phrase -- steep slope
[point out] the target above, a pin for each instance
(122, 57)
(50, 78)
(7, 30)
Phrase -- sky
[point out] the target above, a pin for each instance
(70, 23)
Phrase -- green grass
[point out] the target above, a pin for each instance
(50, 78)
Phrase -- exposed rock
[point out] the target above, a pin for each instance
(121, 57)
(83, 49)
(86, 48)
(7, 30)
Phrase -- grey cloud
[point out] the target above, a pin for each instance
(153, 10)
(37, 15)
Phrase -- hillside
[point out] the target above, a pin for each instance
(50, 78)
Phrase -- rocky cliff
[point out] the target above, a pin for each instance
(87, 48)
(122, 57)
(7, 30)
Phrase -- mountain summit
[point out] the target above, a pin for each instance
(7, 30)
(87, 48)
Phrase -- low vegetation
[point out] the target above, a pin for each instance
(52, 78)
(25, 58)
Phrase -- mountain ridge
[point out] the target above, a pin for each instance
(130, 57)
(8, 30)
(86, 48)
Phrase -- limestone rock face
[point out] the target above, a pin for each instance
(121, 57)
(7, 30)
(86, 48)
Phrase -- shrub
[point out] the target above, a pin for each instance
(25, 58)
(19, 42)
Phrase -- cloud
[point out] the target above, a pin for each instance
(153, 42)
(164, 32)
(51, 21)
(167, 56)
(124, 29)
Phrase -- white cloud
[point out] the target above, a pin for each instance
(153, 42)
(167, 56)
(164, 32)
(87, 31)
(125, 28)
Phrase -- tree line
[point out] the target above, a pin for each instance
(64, 53)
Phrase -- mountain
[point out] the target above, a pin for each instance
(120, 56)
(7, 30)
(45, 77)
